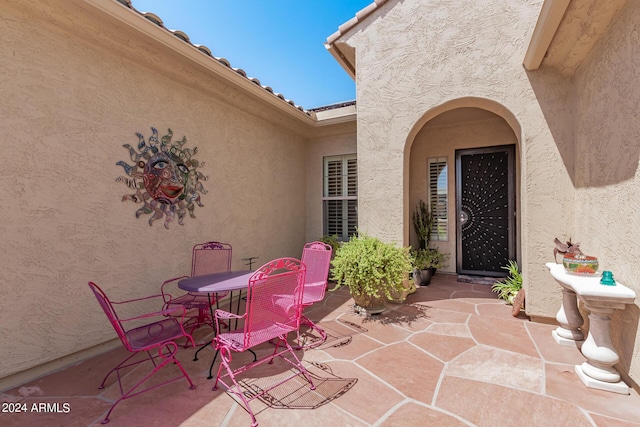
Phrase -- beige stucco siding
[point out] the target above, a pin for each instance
(71, 101)
(416, 55)
(79, 80)
(607, 173)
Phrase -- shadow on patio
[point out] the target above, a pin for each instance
(451, 355)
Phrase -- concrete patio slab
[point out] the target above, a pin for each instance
(451, 355)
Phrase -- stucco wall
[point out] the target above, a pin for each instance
(607, 173)
(416, 55)
(76, 88)
(443, 141)
(317, 150)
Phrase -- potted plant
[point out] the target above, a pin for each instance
(408, 287)
(425, 262)
(373, 270)
(425, 259)
(423, 219)
(510, 288)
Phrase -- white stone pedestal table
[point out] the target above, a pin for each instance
(600, 301)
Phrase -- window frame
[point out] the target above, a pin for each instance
(438, 197)
(346, 194)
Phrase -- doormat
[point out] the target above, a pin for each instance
(478, 280)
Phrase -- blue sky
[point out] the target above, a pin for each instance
(279, 42)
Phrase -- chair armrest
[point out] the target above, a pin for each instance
(162, 313)
(137, 299)
(165, 295)
(221, 314)
(224, 315)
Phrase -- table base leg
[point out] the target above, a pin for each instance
(195, 356)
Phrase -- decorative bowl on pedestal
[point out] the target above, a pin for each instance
(580, 264)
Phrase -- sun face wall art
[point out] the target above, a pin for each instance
(165, 178)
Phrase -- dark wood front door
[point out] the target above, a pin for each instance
(485, 210)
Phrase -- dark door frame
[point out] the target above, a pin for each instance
(511, 205)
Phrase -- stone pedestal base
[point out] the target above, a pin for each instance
(566, 342)
(617, 387)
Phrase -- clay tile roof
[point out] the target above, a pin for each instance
(333, 106)
(223, 61)
(206, 51)
(181, 34)
(360, 16)
(154, 18)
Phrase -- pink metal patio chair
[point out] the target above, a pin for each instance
(273, 308)
(206, 258)
(142, 334)
(316, 256)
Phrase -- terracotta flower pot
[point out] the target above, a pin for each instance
(399, 297)
(371, 305)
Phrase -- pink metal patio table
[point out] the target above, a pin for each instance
(218, 282)
(228, 281)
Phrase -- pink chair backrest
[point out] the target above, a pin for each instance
(111, 313)
(274, 296)
(210, 257)
(316, 256)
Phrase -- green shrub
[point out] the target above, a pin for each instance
(333, 241)
(370, 267)
(424, 259)
(423, 219)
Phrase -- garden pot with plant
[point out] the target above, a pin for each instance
(510, 288)
(408, 287)
(425, 262)
(373, 270)
(425, 259)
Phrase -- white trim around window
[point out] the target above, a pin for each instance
(340, 196)
(438, 196)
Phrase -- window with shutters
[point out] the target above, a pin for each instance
(340, 197)
(438, 197)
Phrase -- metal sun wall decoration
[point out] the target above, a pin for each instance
(165, 178)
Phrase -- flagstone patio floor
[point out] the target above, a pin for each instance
(450, 355)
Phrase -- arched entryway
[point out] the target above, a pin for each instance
(462, 158)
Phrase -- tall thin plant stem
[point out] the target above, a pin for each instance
(423, 223)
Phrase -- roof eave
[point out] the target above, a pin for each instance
(335, 51)
(140, 23)
(332, 43)
(549, 20)
(334, 116)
